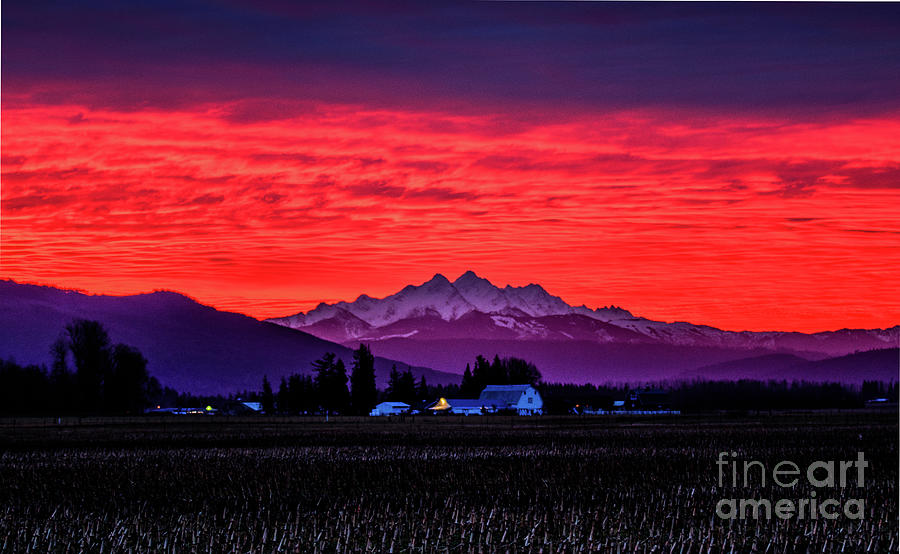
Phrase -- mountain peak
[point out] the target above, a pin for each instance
(467, 276)
(438, 278)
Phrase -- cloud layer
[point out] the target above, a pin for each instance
(615, 155)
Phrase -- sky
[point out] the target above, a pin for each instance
(736, 165)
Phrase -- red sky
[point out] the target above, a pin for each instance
(742, 224)
(264, 194)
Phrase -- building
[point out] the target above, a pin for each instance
(389, 408)
(469, 406)
(648, 399)
(523, 399)
(520, 399)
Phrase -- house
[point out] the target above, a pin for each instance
(460, 406)
(648, 399)
(522, 399)
(469, 406)
(209, 410)
(389, 408)
(253, 406)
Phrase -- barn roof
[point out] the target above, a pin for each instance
(467, 403)
(506, 394)
(395, 404)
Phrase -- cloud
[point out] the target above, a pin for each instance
(664, 212)
(206, 199)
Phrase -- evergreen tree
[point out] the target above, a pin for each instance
(393, 389)
(362, 381)
(339, 392)
(331, 383)
(406, 387)
(302, 395)
(268, 399)
(497, 373)
(468, 388)
(282, 398)
(481, 374)
(422, 393)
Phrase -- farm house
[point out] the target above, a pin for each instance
(389, 408)
(523, 399)
(460, 406)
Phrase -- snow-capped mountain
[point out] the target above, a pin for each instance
(472, 307)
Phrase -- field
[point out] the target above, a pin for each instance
(432, 485)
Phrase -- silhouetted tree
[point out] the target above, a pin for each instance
(422, 391)
(339, 393)
(302, 397)
(89, 344)
(363, 394)
(331, 383)
(467, 387)
(282, 398)
(268, 399)
(23, 390)
(125, 388)
(502, 371)
(62, 382)
(480, 374)
(521, 372)
(406, 387)
(393, 388)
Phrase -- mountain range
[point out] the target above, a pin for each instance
(189, 346)
(435, 328)
(442, 324)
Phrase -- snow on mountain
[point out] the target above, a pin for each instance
(441, 309)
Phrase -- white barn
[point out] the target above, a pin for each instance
(524, 399)
(389, 408)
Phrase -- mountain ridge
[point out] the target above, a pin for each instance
(521, 307)
(189, 346)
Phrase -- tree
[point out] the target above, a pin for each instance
(363, 393)
(521, 372)
(61, 379)
(126, 385)
(89, 343)
(481, 374)
(496, 373)
(393, 388)
(422, 392)
(468, 388)
(406, 387)
(339, 393)
(331, 383)
(283, 397)
(268, 399)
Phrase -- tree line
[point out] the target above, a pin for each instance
(104, 378)
(327, 390)
(712, 395)
(502, 371)
(90, 375)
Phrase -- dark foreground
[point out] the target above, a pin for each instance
(475, 485)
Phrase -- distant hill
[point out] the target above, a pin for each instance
(189, 346)
(874, 365)
(567, 361)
